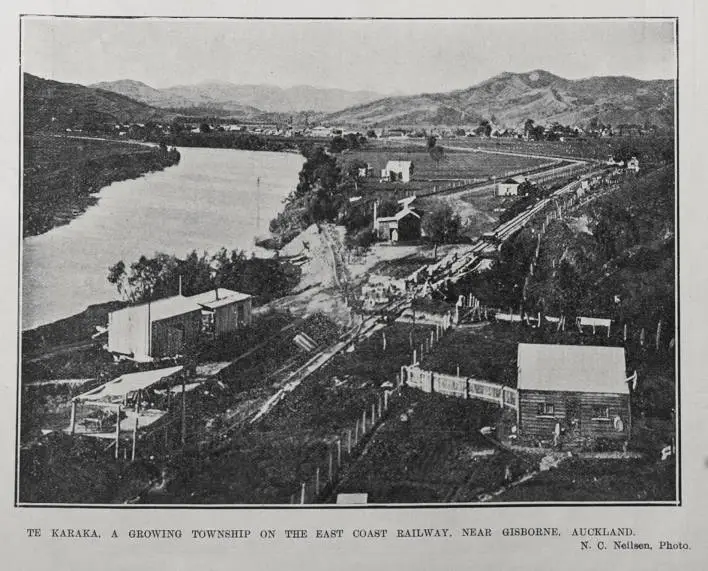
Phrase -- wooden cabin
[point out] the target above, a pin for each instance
(153, 330)
(573, 394)
(223, 310)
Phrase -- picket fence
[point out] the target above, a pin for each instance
(458, 386)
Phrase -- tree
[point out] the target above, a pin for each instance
(371, 134)
(442, 224)
(485, 128)
(431, 142)
(437, 154)
(204, 128)
(528, 128)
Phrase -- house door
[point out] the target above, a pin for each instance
(572, 416)
(175, 341)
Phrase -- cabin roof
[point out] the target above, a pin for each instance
(572, 368)
(209, 299)
(169, 307)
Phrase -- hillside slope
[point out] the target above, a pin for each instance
(55, 105)
(510, 98)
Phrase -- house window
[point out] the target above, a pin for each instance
(546, 409)
(601, 413)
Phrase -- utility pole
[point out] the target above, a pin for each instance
(184, 412)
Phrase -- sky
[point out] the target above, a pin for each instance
(386, 56)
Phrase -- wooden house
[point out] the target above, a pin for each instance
(154, 330)
(403, 226)
(514, 186)
(572, 393)
(223, 310)
(397, 171)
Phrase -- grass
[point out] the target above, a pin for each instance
(266, 464)
(454, 166)
(578, 480)
(430, 456)
(487, 352)
(583, 147)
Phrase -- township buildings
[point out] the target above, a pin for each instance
(165, 328)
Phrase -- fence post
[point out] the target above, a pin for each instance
(349, 442)
(356, 432)
(380, 409)
(386, 400)
(658, 334)
(373, 414)
(339, 453)
(330, 464)
(415, 357)
(302, 493)
(363, 422)
(135, 439)
(117, 429)
(317, 481)
(72, 424)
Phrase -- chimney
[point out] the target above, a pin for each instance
(216, 290)
(375, 212)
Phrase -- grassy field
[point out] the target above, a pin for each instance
(486, 351)
(431, 456)
(454, 166)
(61, 174)
(584, 148)
(579, 480)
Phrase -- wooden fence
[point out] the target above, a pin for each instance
(459, 387)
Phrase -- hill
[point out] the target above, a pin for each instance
(236, 98)
(55, 105)
(509, 99)
(184, 100)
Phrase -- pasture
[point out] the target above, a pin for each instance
(455, 165)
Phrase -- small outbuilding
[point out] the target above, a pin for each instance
(513, 186)
(403, 226)
(223, 310)
(574, 393)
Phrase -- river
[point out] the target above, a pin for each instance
(211, 199)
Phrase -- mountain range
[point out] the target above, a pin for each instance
(509, 99)
(241, 99)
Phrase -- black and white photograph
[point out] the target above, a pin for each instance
(348, 262)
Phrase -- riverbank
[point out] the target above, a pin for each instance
(62, 174)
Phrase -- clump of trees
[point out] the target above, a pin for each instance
(441, 223)
(350, 141)
(159, 276)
